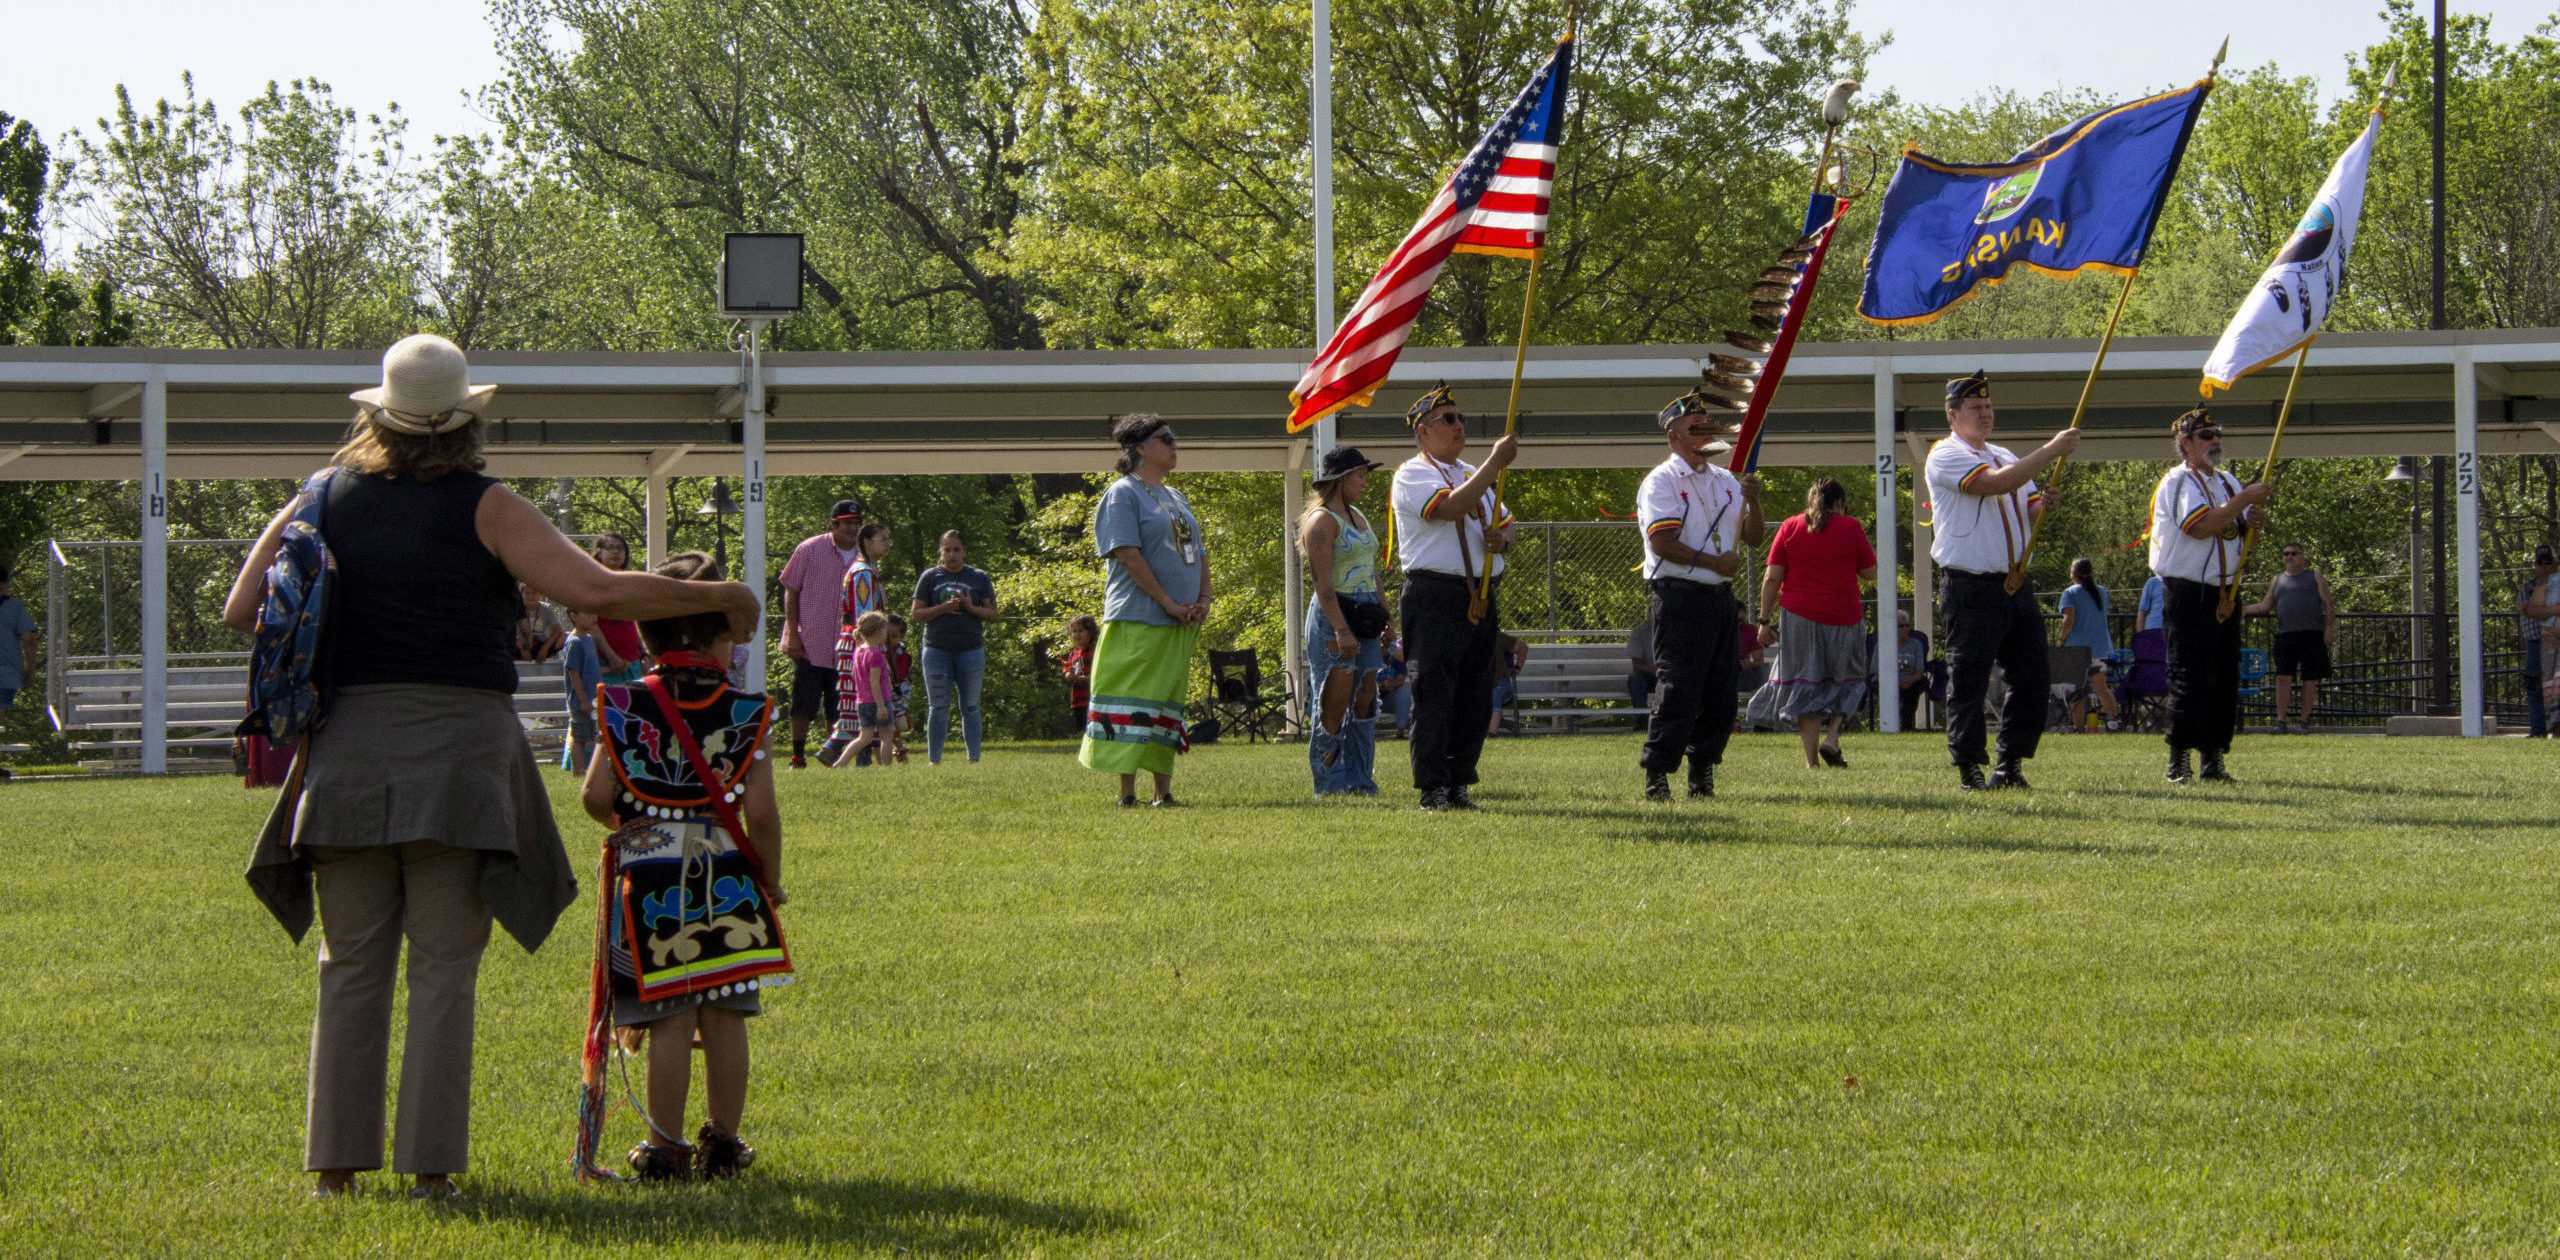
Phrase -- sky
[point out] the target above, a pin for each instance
(60, 65)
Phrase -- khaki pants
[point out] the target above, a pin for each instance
(369, 899)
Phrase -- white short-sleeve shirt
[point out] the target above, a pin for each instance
(1701, 507)
(1428, 546)
(2184, 495)
(1979, 533)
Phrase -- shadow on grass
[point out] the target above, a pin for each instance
(940, 1219)
(1669, 831)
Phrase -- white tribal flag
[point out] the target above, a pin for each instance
(2292, 299)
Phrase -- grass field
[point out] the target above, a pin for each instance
(1852, 1013)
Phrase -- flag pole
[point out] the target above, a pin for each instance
(1476, 601)
(2231, 590)
(2018, 571)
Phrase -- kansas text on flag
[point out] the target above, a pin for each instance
(2085, 196)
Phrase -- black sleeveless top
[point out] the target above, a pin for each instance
(419, 599)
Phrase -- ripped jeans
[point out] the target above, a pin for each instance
(1342, 744)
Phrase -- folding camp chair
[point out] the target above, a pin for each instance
(2142, 687)
(1242, 707)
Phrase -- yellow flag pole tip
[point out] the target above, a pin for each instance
(2220, 53)
(2391, 78)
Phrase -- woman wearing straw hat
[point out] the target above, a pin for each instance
(420, 813)
(1346, 621)
(1156, 596)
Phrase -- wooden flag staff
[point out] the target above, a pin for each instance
(2018, 571)
(1476, 599)
(2231, 589)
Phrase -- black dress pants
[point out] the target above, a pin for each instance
(1450, 660)
(2204, 668)
(1695, 650)
(1986, 625)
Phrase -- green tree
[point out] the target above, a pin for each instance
(293, 232)
(38, 306)
(1170, 162)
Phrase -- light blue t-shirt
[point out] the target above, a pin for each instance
(2089, 627)
(15, 620)
(1135, 514)
(2155, 602)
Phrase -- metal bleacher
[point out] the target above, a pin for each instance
(1566, 688)
(206, 701)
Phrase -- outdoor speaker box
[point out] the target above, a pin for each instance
(759, 274)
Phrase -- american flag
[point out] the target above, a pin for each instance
(1494, 203)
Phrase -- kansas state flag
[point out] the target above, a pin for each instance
(2085, 196)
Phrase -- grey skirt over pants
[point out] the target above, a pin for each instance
(421, 817)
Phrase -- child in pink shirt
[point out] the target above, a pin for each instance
(872, 693)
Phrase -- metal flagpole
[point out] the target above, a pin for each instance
(1321, 97)
(2231, 590)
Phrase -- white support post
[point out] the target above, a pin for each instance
(1888, 580)
(155, 573)
(1293, 652)
(1924, 573)
(1320, 97)
(2466, 501)
(751, 540)
(656, 507)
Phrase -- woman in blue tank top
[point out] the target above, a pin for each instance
(1346, 621)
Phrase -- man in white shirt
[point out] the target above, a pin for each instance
(1986, 504)
(1696, 519)
(1449, 528)
(2198, 516)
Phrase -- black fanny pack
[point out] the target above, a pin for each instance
(1368, 619)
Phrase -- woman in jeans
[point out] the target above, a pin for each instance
(955, 602)
(420, 814)
(1346, 622)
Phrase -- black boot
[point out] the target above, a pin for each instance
(2179, 772)
(2213, 771)
(1702, 781)
(2010, 773)
(1657, 786)
(1436, 801)
(1459, 799)
(1970, 778)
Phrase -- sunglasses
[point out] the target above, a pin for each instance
(1165, 436)
(2207, 435)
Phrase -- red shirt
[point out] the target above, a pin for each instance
(1821, 582)
(624, 638)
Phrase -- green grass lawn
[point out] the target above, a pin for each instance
(1846, 1013)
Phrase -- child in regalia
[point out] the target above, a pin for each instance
(688, 936)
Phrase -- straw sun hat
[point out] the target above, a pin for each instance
(426, 388)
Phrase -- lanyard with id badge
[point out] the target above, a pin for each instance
(1179, 524)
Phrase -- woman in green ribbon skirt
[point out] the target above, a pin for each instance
(1156, 596)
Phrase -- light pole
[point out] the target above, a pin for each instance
(717, 509)
(759, 283)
